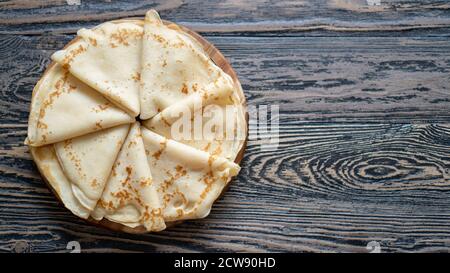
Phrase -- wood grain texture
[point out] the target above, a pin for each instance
(328, 188)
(230, 16)
(364, 149)
(395, 79)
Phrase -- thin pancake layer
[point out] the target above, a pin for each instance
(214, 128)
(87, 162)
(108, 58)
(129, 197)
(174, 66)
(188, 180)
(48, 165)
(63, 107)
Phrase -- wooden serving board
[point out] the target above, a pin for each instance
(217, 57)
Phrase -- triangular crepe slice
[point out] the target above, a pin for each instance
(63, 107)
(188, 180)
(174, 65)
(129, 197)
(107, 58)
(48, 165)
(198, 122)
(87, 162)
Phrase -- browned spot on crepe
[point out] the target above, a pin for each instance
(180, 212)
(208, 178)
(127, 179)
(113, 171)
(205, 96)
(42, 125)
(71, 55)
(136, 77)
(131, 143)
(123, 196)
(122, 36)
(211, 160)
(194, 87)
(217, 151)
(51, 99)
(165, 121)
(180, 171)
(72, 87)
(158, 38)
(158, 153)
(94, 183)
(101, 203)
(102, 107)
(145, 182)
(206, 191)
(98, 125)
(92, 41)
(206, 148)
(151, 214)
(67, 144)
(184, 89)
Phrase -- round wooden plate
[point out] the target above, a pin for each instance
(217, 57)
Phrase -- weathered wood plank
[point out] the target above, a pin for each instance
(394, 79)
(327, 188)
(231, 15)
(365, 126)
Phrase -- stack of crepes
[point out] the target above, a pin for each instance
(101, 118)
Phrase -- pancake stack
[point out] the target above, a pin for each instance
(135, 127)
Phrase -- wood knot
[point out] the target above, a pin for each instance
(21, 247)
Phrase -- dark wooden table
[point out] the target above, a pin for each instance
(364, 151)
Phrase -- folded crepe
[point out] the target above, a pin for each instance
(187, 180)
(108, 58)
(218, 129)
(174, 66)
(63, 107)
(87, 162)
(129, 197)
(48, 165)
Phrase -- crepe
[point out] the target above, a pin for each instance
(87, 162)
(129, 197)
(63, 107)
(48, 165)
(174, 66)
(214, 128)
(187, 180)
(107, 58)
